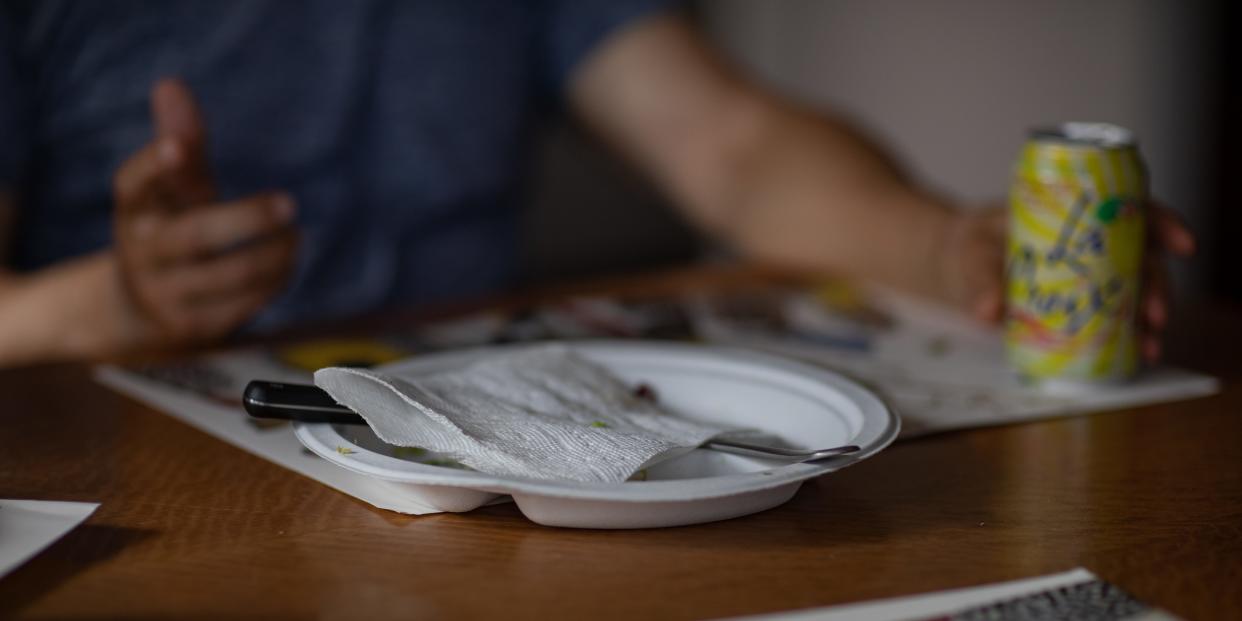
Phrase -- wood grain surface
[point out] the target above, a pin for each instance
(190, 527)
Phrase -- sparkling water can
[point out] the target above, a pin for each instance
(1077, 212)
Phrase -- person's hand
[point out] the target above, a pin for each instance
(974, 258)
(193, 268)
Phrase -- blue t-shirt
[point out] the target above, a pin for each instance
(402, 128)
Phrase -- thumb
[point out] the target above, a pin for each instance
(182, 139)
(988, 281)
(975, 264)
(175, 113)
(988, 305)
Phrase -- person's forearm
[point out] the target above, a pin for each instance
(780, 183)
(807, 191)
(68, 311)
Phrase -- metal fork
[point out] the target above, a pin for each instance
(775, 452)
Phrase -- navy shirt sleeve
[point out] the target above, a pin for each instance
(572, 29)
(12, 130)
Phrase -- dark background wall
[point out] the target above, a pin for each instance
(1226, 270)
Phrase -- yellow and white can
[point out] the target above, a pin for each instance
(1077, 212)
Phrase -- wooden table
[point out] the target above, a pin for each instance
(1149, 498)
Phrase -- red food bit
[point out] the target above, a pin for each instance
(643, 391)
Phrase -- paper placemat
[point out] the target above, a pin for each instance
(275, 443)
(937, 370)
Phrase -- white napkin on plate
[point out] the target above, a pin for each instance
(542, 413)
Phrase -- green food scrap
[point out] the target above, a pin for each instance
(446, 463)
(600, 424)
(938, 347)
(641, 475)
(345, 450)
(408, 451)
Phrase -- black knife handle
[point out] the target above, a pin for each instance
(300, 402)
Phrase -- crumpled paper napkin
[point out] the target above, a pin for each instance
(543, 413)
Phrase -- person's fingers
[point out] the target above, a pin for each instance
(176, 113)
(1169, 232)
(178, 121)
(210, 314)
(1151, 344)
(990, 305)
(213, 229)
(220, 317)
(1155, 305)
(983, 264)
(241, 271)
(136, 183)
(199, 322)
(170, 172)
(1151, 348)
(1153, 308)
(206, 300)
(996, 221)
(171, 262)
(983, 276)
(226, 316)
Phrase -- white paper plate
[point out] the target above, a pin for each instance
(804, 405)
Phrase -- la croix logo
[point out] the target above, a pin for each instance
(1081, 248)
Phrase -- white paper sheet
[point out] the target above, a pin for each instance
(946, 603)
(29, 526)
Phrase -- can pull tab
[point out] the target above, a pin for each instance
(1102, 134)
